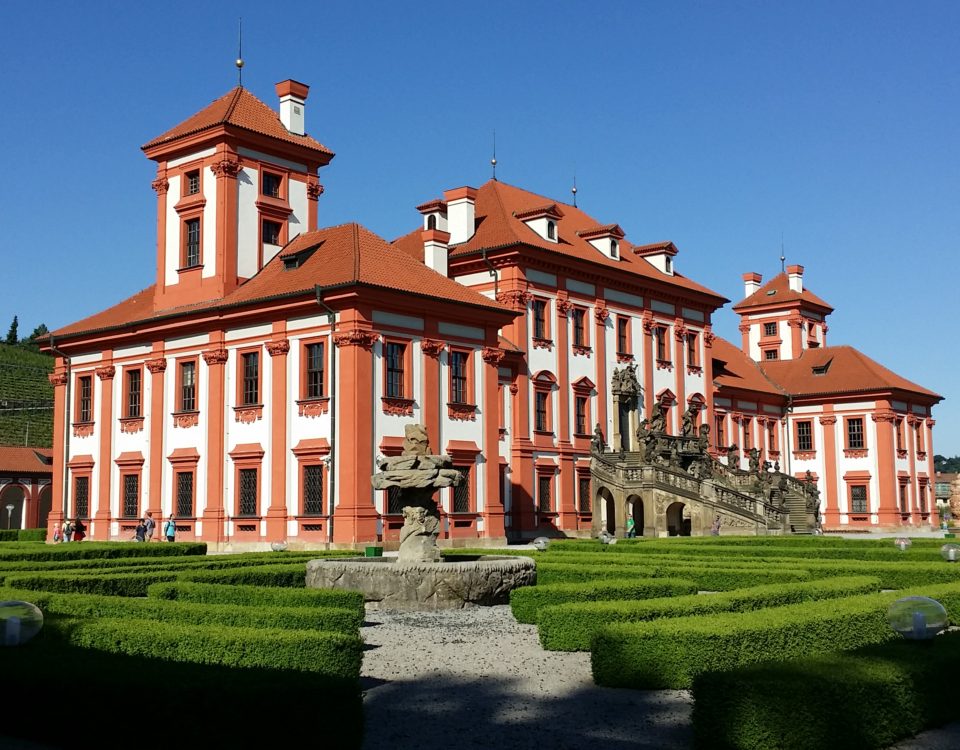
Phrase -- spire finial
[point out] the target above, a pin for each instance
(783, 257)
(493, 161)
(573, 190)
(239, 62)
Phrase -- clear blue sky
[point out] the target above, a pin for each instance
(716, 125)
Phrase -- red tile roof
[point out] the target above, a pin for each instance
(18, 460)
(776, 292)
(497, 207)
(843, 370)
(341, 256)
(734, 369)
(241, 109)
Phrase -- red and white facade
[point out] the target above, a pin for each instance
(249, 390)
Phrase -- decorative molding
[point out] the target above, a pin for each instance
(828, 420)
(805, 455)
(215, 356)
(106, 373)
(515, 299)
(647, 322)
(157, 365)
(694, 370)
(543, 344)
(708, 338)
(57, 378)
(564, 306)
(397, 407)
(186, 418)
(491, 355)
(855, 452)
(514, 389)
(161, 185)
(623, 357)
(432, 347)
(884, 417)
(503, 434)
(794, 323)
(248, 414)
(601, 314)
(921, 455)
(280, 346)
(462, 412)
(665, 364)
(585, 351)
(82, 429)
(314, 190)
(679, 330)
(901, 453)
(313, 407)
(931, 423)
(131, 424)
(226, 168)
(357, 337)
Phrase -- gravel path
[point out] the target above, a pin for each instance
(476, 679)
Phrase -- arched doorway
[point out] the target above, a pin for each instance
(44, 506)
(677, 525)
(605, 508)
(635, 511)
(11, 495)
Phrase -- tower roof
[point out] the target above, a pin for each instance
(777, 293)
(238, 108)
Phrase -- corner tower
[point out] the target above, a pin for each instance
(235, 182)
(780, 319)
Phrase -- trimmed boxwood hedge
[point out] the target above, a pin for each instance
(331, 619)
(670, 653)
(526, 602)
(332, 655)
(706, 578)
(87, 550)
(293, 575)
(114, 584)
(259, 596)
(571, 627)
(868, 698)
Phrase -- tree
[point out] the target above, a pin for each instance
(31, 341)
(942, 463)
(12, 333)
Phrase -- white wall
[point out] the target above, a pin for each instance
(248, 218)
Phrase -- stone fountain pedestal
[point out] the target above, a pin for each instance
(418, 578)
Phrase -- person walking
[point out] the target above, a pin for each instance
(715, 529)
(631, 527)
(170, 529)
(66, 531)
(151, 525)
(79, 531)
(140, 533)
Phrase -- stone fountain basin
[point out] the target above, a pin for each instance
(456, 582)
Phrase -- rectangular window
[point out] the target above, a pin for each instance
(719, 431)
(544, 498)
(747, 437)
(900, 434)
(193, 182)
(461, 493)
(918, 429)
(315, 371)
(191, 256)
(395, 356)
(271, 184)
(458, 377)
(855, 433)
(660, 334)
(134, 397)
(188, 386)
(583, 493)
(771, 438)
(922, 498)
(185, 494)
(623, 335)
(85, 411)
(539, 319)
(248, 492)
(394, 501)
(313, 490)
(579, 327)
(692, 358)
(904, 502)
(271, 233)
(581, 414)
(81, 497)
(805, 435)
(770, 354)
(251, 378)
(858, 498)
(769, 329)
(540, 423)
(131, 495)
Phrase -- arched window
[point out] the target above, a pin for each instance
(432, 221)
(668, 264)
(551, 230)
(613, 248)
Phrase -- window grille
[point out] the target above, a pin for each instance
(461, 493)
(394, 501)
(248, 492)
(81, 496)
(583, 493)
(858, 498)
(185, 494)
(131, 495)
(313, 490)
(544, 500)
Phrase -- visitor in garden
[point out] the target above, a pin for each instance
(631, 527)
(79, 531)
(151, 525)
(715, 529)
(170, 529)
(140, 533)
(66, 531)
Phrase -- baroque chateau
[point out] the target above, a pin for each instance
(251, 388)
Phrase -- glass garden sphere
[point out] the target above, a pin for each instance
(903, 543)
(917, 618)
(278, 546)
(541, 543)
(950, 552)
(19, 622)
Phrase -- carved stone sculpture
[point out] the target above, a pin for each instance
(689, 423)
(598, 444)
(754, 461)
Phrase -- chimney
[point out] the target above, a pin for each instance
(461, 213)
(751, 283)
(292, 96)
(435, 249)
(795, 277)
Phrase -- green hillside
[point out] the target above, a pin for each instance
(26, 397)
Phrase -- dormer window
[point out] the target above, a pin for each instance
(606, 239)
(271, 184)
(542, 220)
(668, 264)
(614, 248)
(432, 221)
(659, 255)
(551, 230)
(193, 182)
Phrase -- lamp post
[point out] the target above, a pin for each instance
(9, 514)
